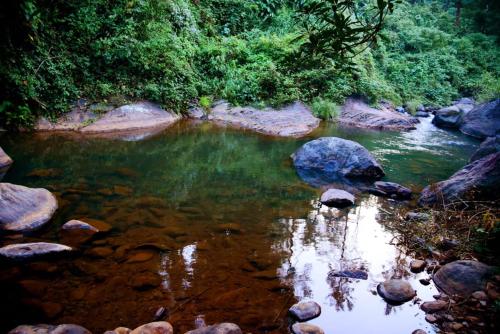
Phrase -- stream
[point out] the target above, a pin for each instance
(214, 221)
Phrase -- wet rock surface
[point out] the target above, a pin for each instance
(417, 266)
(24, 209)
(483, 121)
(306, 310)
(489, 146)
(417, 216)
(329, 159)
(396, 291)
(479, 180)
(357, 113)
(295, 120)
(337, 198)
(32, 250)
(462, 277)
(451, 116)
(50, 329)
(306, 328)
(392, 190)
(222, 328)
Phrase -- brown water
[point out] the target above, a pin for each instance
(215, 222)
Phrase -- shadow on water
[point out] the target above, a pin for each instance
(213, 221)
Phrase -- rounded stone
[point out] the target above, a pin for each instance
(434, 306)
(222, 328)
(304, 311)
(462, 277)
(417, 266)
(31, 250)
(158, 327)
(337, 198)
(396, 291)
(24, 209)
(306, 328)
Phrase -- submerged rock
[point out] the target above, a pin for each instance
(305, 328)
(304, 311)
(479, 180)
(24, 209)
(392, 190)
(222, 328)
(295, 120)
(158, 327)
(337, 198)
(50, 329)
(488, 146)
(417, 216)
(356, 274)
(483, 121)
(32, 250)
(357, 113)
(330, 159)
(462, 277)
(396, 291)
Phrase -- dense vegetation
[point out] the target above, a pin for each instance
(175, 52)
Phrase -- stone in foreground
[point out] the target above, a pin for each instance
(462, 277)
(304, 311)
(24, 209)
(31, 250)
(50, 329)
(483, 121)
(158, 327)
(222, 328)
(479, 180)
(434, 306)
(392, 190)
(396, 291)
(337, 198)
(417, 266)
(331, 159)
(295, 120)
(357, 113)
(306, 328)
(5, 160)
(131, 117)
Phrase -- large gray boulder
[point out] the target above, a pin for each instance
(32, 250)
(132, 117)
(488, 146)
(451, 117)
(479, 180)
(24, 209)
(462, 277)
(482, 121)
(330, 159)
(294, 120)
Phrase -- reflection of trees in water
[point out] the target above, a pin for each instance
(339, 238)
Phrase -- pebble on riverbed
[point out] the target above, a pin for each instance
(304, 311)
(306, 328)
(417, 266)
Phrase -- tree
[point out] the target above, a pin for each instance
(334, 29)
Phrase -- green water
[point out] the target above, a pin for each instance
(219, 198)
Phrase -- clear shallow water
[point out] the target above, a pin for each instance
(218, 223)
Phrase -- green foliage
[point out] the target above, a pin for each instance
(206, 103)
(174, 51)
(325, 109)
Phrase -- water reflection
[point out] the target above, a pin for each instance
(332, 240)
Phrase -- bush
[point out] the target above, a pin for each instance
(325, 109)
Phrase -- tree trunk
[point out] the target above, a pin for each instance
(458, 13)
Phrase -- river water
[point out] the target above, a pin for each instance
(215, 222)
